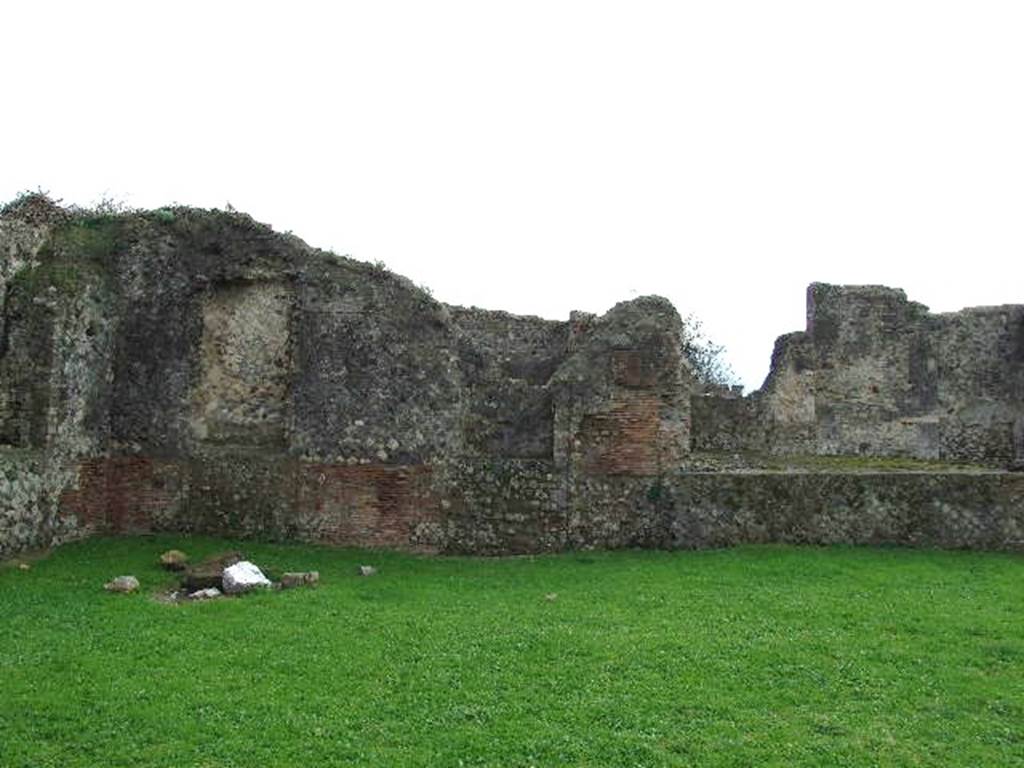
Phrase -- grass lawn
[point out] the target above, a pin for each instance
(746, 657)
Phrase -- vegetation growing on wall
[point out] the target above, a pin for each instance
(76, 253)
(707, 358)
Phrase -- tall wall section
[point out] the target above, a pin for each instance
(875, 374)
(195, 371)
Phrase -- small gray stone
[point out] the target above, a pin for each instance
(300, 579)
(205, 594)
(122, 584)
(367, 570)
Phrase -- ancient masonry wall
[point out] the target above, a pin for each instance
(193, 371)
(877, 375)
(515, 506)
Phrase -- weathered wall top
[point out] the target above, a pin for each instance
(876, 374)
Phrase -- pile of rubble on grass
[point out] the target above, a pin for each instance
(225, 574)
(229, 573)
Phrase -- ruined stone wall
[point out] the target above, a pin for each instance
(271, 497)
(376, 370)
(244, 365)
(514, 506)
(695, 510)
(622, 397)
(875, 374)
(979, 355)
(25, 520)
(193, 371)
(506, 362)
(498, 506)
(727, 424)
(932, 509)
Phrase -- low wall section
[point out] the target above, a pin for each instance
(521, 506)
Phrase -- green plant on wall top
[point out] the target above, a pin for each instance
(76, 253)
(95, 238)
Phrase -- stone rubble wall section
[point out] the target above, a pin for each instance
(877, 375)
(187, 370)
(518, 506)
(24, 514)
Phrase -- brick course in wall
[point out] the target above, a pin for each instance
(378, 506)
(624, 439)
(124, 494)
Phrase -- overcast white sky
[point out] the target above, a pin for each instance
(544, 156)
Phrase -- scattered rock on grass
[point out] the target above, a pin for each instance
(206, 594)
(367, 570)
(174, 560)
(209, 572)
(300, 579)
(551, 597)
(242, 577)
(123, 584)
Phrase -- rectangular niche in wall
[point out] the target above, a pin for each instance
(245, 365)
(26, 352)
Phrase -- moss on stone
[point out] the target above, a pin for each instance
(76, 254)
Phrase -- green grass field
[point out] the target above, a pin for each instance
(746, 657)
